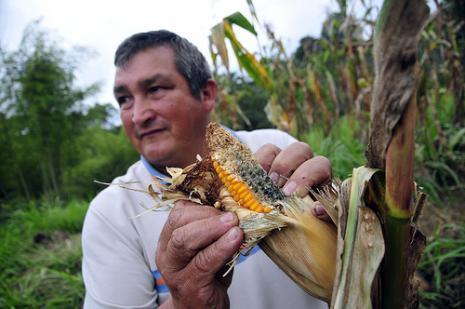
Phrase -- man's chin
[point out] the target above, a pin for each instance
(157, 157)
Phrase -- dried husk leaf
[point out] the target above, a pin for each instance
(328, 197)
(361, 246)
(305, 250)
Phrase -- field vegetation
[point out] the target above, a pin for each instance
(54, 143)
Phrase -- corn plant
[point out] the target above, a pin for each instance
(391, 194)
(378, 243)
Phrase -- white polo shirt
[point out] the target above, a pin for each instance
(119, 267)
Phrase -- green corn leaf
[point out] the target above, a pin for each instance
(246, 60)
(240, 20)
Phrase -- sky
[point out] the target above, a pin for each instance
(102, 24)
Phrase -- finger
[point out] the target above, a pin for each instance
(188, 240)
(183, 213)
(319, 211)
(213, 258)
(288, 160)
(311, 173)
(266, 154)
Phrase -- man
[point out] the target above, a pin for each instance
(175, 260)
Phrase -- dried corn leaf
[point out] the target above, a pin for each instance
(361, 246)
(305, 250)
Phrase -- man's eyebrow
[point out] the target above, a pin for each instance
(119, 89)
(143, 83)
(152, 79)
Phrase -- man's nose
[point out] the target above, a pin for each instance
(142, 112)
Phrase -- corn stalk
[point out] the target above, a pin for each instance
(389, 192)
(393, 127)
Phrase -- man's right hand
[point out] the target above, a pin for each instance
(195, 244)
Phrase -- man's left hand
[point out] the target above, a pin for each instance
(295, 169)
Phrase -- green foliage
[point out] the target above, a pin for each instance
(440, 147)
(40, 255)
(443, 264)
(100, 155)
(51, 142)
(239, 19)
(249, 97)
(224, 31)
(341, 145)
(40, 109)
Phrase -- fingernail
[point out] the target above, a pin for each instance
(289, 188)
(281, 181)
(319, 210)
(227, 217)
(274, 176)
(233, 234)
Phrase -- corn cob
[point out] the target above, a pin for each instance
(231, 179)
(240, 191)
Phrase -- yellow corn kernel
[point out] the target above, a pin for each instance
(236, 187)
(242, 189)
(254, 205)
(222, 175)
(239, 190)
(230, 178)
(246, 195)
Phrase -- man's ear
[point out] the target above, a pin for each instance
(208, 95)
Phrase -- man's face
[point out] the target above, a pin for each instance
(164, 122)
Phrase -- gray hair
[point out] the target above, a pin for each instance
(189, 61)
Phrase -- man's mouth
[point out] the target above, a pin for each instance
(148, 133)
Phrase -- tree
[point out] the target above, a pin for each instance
(41, 108)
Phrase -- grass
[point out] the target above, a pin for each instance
(40, 255)
(443, 267)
